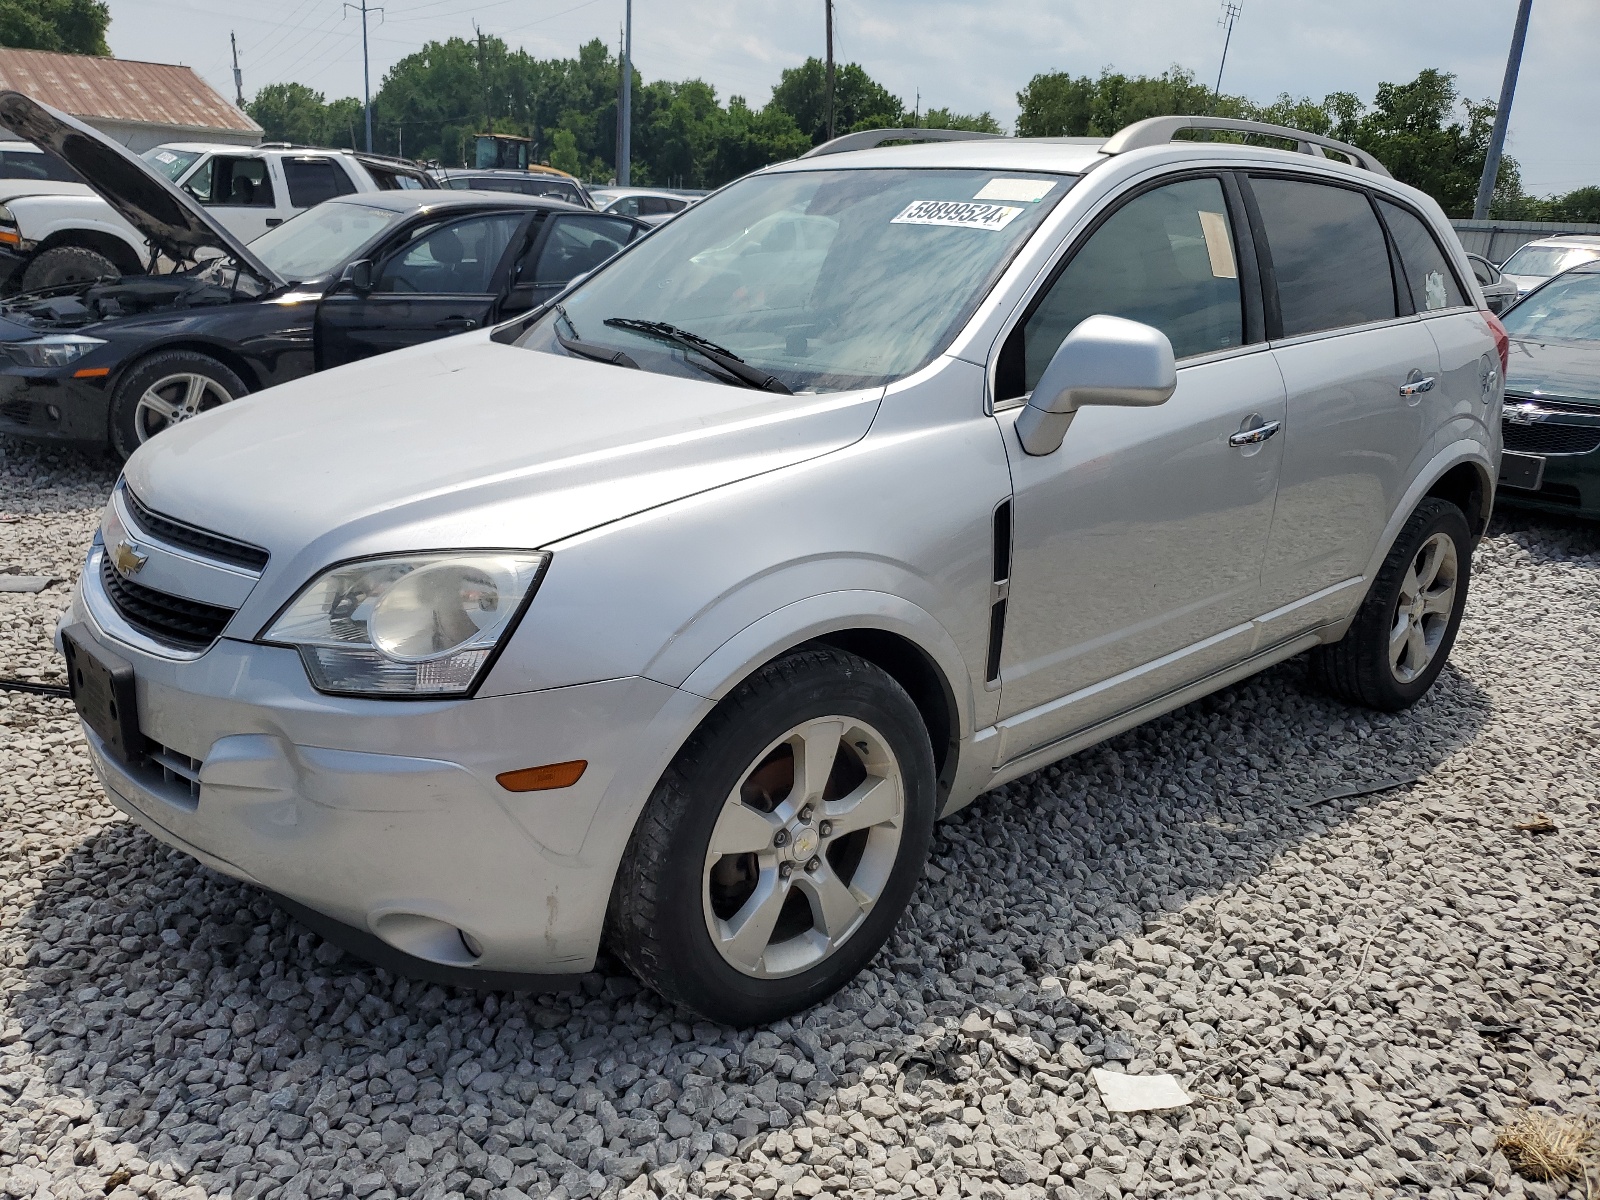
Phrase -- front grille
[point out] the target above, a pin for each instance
(188, 537)
(183, 624)
(18, 412)
(1549, 437)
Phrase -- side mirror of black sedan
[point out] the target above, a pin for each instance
(358, 276)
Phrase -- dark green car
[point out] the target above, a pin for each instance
(1552, 413)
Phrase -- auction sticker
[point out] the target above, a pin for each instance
(957, 214)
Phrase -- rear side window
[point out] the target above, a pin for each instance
(1328, 253)
(1165, 258)
(1433, 284)
(313, 180)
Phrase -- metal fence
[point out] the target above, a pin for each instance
(1499, 240)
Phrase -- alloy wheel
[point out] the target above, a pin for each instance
(175, 398)
(1422, 615)
(803, 847)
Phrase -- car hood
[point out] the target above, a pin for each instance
(171, 219)
(1565, 370)
(470, 443)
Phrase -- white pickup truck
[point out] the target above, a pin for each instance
(54, 230)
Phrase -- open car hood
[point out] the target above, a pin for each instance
(168, 217)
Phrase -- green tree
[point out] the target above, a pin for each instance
(72, 26)
(943, 118)
(1429, 138)
(859, 101)
(564, 151)
(1058, 105)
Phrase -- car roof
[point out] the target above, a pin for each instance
(413, 199)
(1585, 240)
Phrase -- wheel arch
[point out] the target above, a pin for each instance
(227, 356)
(1468, 486)
(113, 247)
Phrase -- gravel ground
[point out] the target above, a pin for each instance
(1358, 991)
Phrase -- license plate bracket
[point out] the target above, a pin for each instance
(102, 689)
(1525, 472)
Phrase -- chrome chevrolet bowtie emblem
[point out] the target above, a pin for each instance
(128, 558)
(1525, 414)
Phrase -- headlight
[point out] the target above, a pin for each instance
(417, 625)
(55, 351)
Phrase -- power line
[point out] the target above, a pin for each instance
(1230, 14)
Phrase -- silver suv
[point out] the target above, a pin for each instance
(674, 614)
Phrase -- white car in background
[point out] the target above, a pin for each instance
(1548, 257)
(653, 205)
(55, 231)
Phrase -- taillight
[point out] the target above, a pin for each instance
(1502, 341)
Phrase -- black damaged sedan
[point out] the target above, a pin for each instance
(117, 361)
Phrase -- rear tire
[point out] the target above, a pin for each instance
(1404, 630)
(164, 389)
(747, 893)
(67, 264)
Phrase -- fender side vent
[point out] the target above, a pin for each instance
(999, 590)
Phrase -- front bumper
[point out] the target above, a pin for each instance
(37, 403)
(385, 815)
(1571, 481)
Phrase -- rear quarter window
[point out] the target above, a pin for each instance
(1328, 253)
(1429, 277)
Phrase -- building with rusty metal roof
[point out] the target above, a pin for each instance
(140, 104)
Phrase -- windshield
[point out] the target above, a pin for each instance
(1545, 261)
(826, 280)
(321, 239)
(171, 163)
(1566, 308)
(34, 164)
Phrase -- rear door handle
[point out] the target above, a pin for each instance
(1415, 387)
(457, 324)
(271, 221)
(1254, 437)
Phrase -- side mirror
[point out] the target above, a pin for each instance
(358, 276)
(1105, 360)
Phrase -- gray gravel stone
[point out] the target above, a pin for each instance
(1355, 990)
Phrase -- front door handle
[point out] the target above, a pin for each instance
(1254, 437)
(1415, 387)
(457, 324)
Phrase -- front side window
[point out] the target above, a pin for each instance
(1567, 309)
(1428, 273)
(457, 258)
(232, 182)
(1328, 254)
(313, 180)
(35, 164)
(825, 279)
(1165, 258)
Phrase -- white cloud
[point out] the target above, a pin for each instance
(965, 55)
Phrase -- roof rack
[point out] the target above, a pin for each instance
(1158, 131)
(869, 138)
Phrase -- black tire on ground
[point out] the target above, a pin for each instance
(67, 264)
(124, 426)
(1358, 667)
(657, 919)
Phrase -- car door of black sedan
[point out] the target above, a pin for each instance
(446, 278)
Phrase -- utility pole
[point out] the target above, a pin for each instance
(1502, 114)
(625, 143)
(828, 4)
(366, 78)
(238, 79)
(1230, 14)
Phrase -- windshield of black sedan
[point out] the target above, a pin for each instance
(1567, 308)
(826, 279)
(321, 239)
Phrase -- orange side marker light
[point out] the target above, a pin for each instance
(92, 373)
(543, 779)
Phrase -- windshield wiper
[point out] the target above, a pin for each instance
(576, 345)
(724, 358)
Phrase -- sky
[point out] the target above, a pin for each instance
(967, 55)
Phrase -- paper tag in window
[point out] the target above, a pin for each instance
(166, 156)
(957, 214)
(1214, 227)
(1028, 191)
(1433, 293)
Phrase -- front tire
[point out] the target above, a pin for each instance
(67, 264)
(780, 848)
(165, 389)
(1404, 630)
